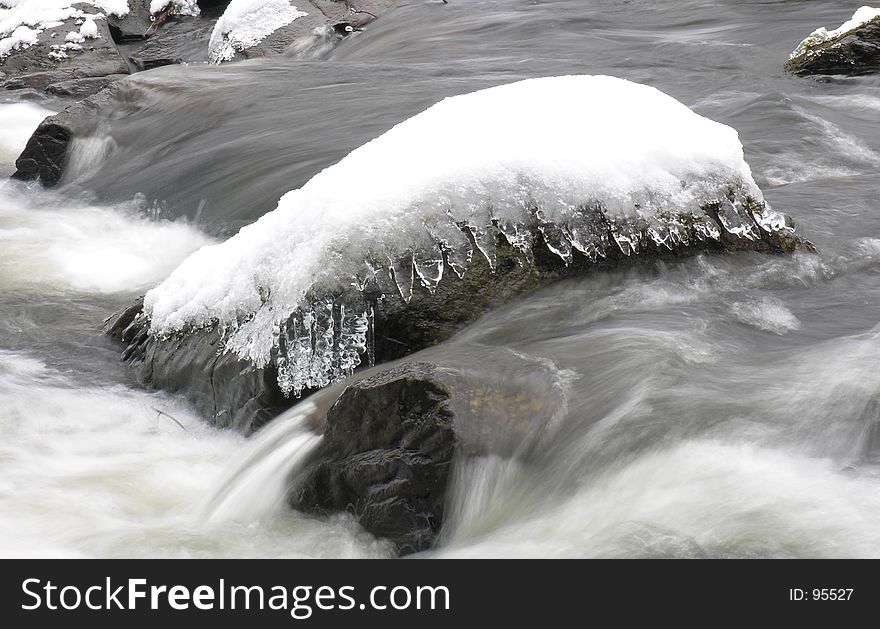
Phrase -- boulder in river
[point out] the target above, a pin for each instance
(331, 281)
(390, 442)
(851, 49)
(45, 155)
(232, 392)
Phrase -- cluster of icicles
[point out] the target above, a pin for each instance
(326, 338)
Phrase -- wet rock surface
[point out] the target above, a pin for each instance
(140, 41)
(45, 155)
(53, 61)
(391, 440)
(181, 39)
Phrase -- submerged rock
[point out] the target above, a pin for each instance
(181, 39)
(852, 49)
(390, 442)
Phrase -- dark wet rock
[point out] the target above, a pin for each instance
(386, 456)
(82, 88)
(45, 154)
(181, 39)
(852, 53)
(134, 25)
(34, 68)
(228, 392)
(390, 441)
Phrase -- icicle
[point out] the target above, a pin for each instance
(588, 232)
(429, 269)
(517, 234)
(401, 273)
(556, 241)
(735, 220)
(484, 241)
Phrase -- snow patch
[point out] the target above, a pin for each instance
(39, 15)
(569, 154)
(89, 30)
(246, 23)
(86, 249)
(21, 37)
(861, 17)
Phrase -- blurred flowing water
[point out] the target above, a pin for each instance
(716, 406)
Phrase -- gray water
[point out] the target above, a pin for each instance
(716, 406)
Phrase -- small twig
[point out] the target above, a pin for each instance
(356, 11)
(171, 417)
(160, 19)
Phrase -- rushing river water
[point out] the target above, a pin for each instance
(715, 406)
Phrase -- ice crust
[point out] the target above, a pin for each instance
(863, 15)
(246, 23)
(567, 156)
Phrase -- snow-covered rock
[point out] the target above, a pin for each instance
(40, 15)
(584, 168)
(245, 23)
(44, 42)
(851, 48)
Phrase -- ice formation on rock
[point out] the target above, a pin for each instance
(588, 163)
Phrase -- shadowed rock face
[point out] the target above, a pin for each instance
(386, 455)
(852, 53)
(45, 155)
(134, 24)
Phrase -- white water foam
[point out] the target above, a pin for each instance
(638, 507)
(17, 123)
(121, 478)
(768, 314)
(50, 242)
